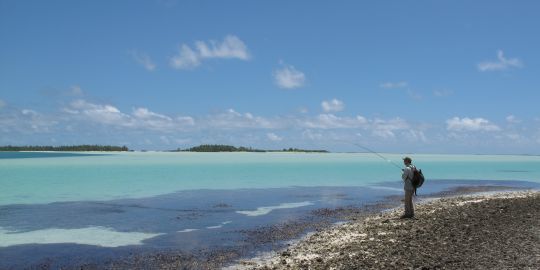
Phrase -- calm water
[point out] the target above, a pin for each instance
(55, 177)
(60, 206)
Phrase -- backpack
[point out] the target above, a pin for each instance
(418, 179)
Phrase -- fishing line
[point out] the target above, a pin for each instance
(373, 152)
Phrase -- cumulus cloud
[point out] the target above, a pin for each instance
(147, 119)
(393, 85)
(273, 137)
(141, 118)
(230, 47)
(333, 105)
(26, 121)
(289, 77)
(105, 114)
(502, 63)
(469, 124)
(330, 121)
(232, 119)
(143, 59)
(388, 128)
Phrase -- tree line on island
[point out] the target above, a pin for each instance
(230, 148)
(110, 148)
(66, 148)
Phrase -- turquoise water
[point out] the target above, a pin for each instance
(70, 209)
(38, 178)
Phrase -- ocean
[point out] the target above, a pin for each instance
(70, 209)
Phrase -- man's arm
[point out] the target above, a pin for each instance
(405, 173)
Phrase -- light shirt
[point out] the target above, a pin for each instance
(407, 177)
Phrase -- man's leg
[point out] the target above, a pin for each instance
(409, 210)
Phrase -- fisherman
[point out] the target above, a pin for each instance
(407, 176)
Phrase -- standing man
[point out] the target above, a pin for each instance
(407, 177)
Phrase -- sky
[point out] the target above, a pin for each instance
(456, 77)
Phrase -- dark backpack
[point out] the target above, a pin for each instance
(418, 179)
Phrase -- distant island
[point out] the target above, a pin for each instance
(230, 148)
(110, 148)
(67, 148)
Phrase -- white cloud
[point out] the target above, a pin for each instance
(144, 113)
(186, 120)
(143, 59)
(29, 112)
(393, 85)
(232, 119)
(387, 128)
(273, 137)
(468, 124)
(330, 121)
(512, 119)
(105, 114)
(231, 47)
(289, 77)
(26, 121)
(2, 104)
(502, 63)
(147, 119)
(140, 118)
(442, 93)
(415, 135)
(186, 59)
(241, 128)
(333, 105)
(309, 134)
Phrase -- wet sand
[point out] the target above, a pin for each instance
(481, 231)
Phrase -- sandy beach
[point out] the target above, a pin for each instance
(481, 231)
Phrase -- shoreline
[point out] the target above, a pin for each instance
(485, 229)
(268, 239)
(265, 247)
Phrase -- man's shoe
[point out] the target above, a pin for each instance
(406, 216)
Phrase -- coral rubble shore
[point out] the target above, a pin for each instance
(484, 231)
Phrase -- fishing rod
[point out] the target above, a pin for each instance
(373, 152)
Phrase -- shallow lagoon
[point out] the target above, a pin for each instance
(55, 206)
(137, 175)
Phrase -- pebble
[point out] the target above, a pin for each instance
(498, 232)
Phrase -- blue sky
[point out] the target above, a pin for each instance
(395, 76)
